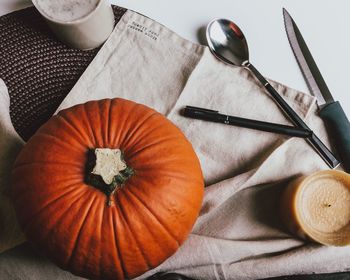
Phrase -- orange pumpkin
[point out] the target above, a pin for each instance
(113, 212)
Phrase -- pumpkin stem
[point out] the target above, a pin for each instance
(107, 171)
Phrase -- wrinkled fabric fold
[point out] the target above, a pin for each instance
(10, 145)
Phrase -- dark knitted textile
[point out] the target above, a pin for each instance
(38, 70)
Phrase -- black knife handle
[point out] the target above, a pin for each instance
(338, 127)
(317, 144)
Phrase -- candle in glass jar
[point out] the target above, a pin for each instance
(317, 207)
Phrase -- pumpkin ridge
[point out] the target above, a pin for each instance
(135, 129)
(91, 130)
(95, 207)
(29, 221)
(67, 210)
(24, 164)
(63, 213)
(21, 192)
(163, 172)
(115, 134)
(120, 258)
(154, 215)
(74, 128)
(186, 199)
(60, 141)
(137, 242)
(71, 190)
(157, 142)
(160, 166)
(100, 266)
(78, 236)
(146, 135)
(174, 174)
(126, 121)
(108, 140)
(94, 112)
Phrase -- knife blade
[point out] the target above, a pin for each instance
(331, 112)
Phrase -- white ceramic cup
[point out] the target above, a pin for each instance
(87, 32)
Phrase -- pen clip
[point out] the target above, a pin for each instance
(192, 108)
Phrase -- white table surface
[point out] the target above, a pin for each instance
(324, 24)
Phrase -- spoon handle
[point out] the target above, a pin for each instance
(317, 144)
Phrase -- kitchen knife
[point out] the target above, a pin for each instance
(337, 124)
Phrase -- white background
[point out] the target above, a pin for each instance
(325, 25)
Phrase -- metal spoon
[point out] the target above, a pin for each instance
(227, 42)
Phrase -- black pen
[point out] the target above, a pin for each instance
(215, 116)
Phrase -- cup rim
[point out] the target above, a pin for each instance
(76, 21)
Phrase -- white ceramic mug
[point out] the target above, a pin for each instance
(86, 32)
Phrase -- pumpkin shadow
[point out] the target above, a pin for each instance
(25, 262)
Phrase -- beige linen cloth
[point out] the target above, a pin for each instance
(10, 145)
(238, 234)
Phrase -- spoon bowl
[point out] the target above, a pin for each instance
(227, 42)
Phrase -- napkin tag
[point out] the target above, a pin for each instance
(144, 30)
